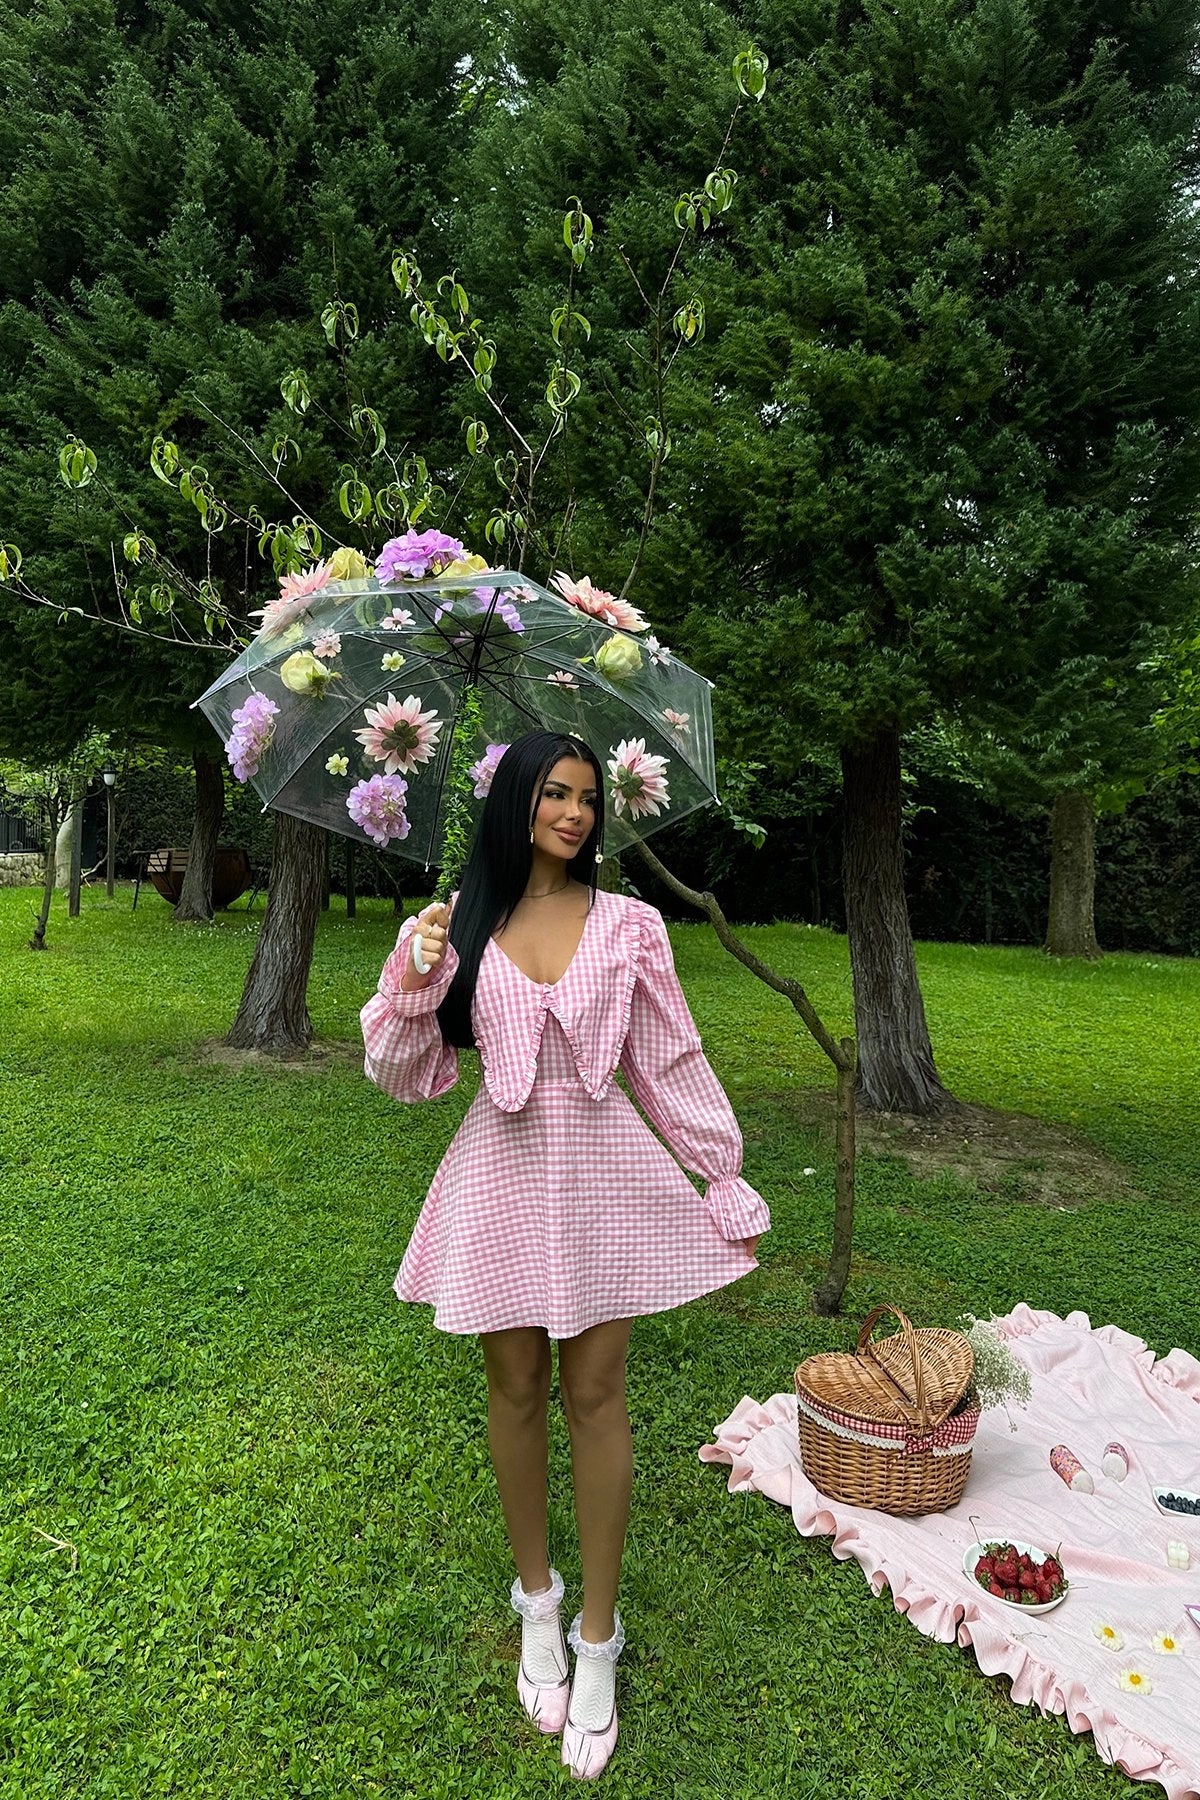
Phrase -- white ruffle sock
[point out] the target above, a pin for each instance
(591, 1728)
(542, 1676)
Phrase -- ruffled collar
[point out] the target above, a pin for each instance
(591, 1002)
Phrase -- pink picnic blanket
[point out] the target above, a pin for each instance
(1089, 1387)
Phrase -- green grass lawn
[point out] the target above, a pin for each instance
(291, 1573)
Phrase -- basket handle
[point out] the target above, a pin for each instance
(864, 1347)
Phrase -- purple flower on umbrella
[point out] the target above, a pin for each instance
(480, 601)
(639, 779)
(253, 729)
(415, 554)
(399, 735)
(481, 773)
(377, 806)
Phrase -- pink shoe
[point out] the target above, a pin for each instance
(586, 1749)
(542, 1647)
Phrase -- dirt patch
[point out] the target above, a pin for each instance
(1010, 1154)
(215, 1054)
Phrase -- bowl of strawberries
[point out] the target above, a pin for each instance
(1018, 1575)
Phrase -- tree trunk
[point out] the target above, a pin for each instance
(273, 1015)
(895, 1057)
(64, 839)
(196, 896)
(608, 880)
(38, 940)
(1071, 930)
(828, 1297)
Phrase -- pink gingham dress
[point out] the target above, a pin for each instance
(556, 1205)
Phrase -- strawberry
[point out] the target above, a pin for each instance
(984, 1567)
(1027, 1579)
(1006, 1573)
(1044, 1593)
(993, 1587)
(1013, 1594)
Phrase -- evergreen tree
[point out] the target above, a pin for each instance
(937, 455)
(184, 195)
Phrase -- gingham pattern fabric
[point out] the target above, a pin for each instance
(952, 1437)
(555, 1205)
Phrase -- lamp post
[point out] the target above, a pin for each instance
(110, 783)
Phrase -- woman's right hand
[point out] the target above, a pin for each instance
(432, 926)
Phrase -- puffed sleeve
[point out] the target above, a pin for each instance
(671, 1080)
(407, 1055)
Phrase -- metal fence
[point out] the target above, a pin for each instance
(22, 831)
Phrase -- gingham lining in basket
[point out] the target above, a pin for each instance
(953, 1437)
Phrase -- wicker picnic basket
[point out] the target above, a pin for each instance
(891, 1426)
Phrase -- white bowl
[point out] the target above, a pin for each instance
(972, 1556)
(1169, 1511)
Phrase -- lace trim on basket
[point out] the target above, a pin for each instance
(962, 1426)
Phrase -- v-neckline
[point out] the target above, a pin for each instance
(574, 955)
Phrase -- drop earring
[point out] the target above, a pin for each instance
(599, 856)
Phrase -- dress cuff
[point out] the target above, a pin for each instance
(422, 999)
(739, 1212)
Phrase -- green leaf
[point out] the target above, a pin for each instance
(76, 464)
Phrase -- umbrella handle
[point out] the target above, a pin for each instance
(419, 963)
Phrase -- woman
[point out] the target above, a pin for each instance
(555, 1212)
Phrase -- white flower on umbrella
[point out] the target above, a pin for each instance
(562, 678)
(639, 779)
(597, 603)
(522, 594)
(399, 735)
(326, 643)
(396, 619)
(678, 721)
(658, 652)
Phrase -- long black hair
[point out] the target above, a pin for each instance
(501, 855)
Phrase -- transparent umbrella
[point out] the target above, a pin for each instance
(345, 708)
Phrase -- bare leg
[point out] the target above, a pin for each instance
(518, 1378)
(591, 1371)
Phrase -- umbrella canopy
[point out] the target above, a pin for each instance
(343, 709)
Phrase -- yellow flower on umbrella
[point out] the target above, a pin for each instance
(347, 565)
(618, 658)
(399, 735)
(1134, 1682)
(301, 673)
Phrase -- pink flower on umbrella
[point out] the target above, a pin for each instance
(326, 644)
(253, 729)
(399, 735)
(481, 773)
(377, 806)
(398, 616)
(678, 721)
(294, 594)
(639, 779)
(658, 652)
(415, 554)
(598, 604)
(562, 678)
